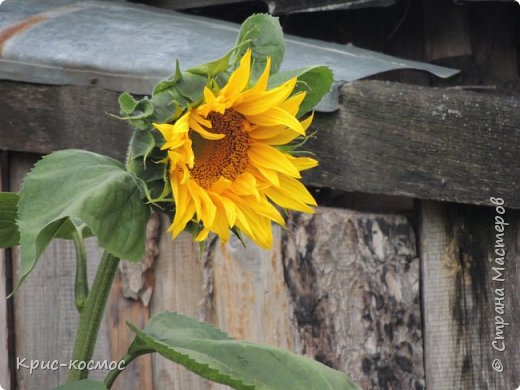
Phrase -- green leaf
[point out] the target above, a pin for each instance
(86, 186)
(9, 235)
(127, 103)
(165, 84)
(214, 67)
(132, 109)
(143, 161)
(191, 85)
(141, 145)
(263, 34)
(213, 355)
(84, 384)
(315, 80)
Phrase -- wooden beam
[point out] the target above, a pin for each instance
(429, 143)
(387, 138)
(43, 118)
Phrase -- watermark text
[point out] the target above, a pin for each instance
(54, 365)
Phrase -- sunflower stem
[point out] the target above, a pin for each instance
(91, 316)
(112, 375)
(81, 281)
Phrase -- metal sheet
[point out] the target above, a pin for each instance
(280, 7)
(128, 47)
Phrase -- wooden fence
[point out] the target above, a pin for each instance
(396, 293)
(395, 283)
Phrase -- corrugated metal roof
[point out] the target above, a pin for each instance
(129, 47)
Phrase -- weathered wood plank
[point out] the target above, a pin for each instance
(354, 281)
(463, 304)
(129, 301)
(5, 375)
(178, 287)
(247, 296)
(342, 287)
(389, 138)
(45, 315)
(420, 142)
(60, 118)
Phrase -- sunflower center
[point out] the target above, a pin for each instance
(226, 157)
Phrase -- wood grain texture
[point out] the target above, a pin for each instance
(246, 295)
(354, 282)
(177, 287)
(390, 138)
(129, 301)
(5, 375)
(461, 301)
(419, 142)
(45, 316)
(249, 298)
(61, 118)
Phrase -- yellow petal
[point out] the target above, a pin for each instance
(225, 209)
(195, 126)
(262, 232)
(175, 141)
(165, 129)
(303, 163)
(307, 121)
(259, 103)
(270, 175)
(285, 201)
(268, 157)
(203, 234)
(263, 132)
(184, 209)
(243, 224)
(204, 206)
(269, 211)
(297, 189)
(220, 226)
(276, 116)
(282, 138)
(292, 105)
(220, 185)
(291, 194)
(181, 125)
(245, 184)
(238, 79)
(197, 117)
(261, 83)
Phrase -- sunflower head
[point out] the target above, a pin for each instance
(227, 164)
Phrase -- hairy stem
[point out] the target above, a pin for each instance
(81, 282)
(91, 316)
(123, 363)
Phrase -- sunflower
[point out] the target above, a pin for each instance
(226, 167)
